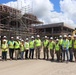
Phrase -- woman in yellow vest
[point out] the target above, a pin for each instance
(26, 45)
(22, 49)
(57, 49)
(74, 47)
(51, 47)
(4, 48)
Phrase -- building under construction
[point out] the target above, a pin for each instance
(13, 23)
(54, 29)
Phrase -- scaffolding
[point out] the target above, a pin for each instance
(13, 23)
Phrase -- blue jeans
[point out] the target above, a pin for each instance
(22, 54)
(31, 54)
(65, 52)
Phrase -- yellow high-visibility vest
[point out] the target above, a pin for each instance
(51, 45)
(31, 44)
(26, 45)
(45, 43)
(17, 45)
(11, 44)
(74, 44)
(4, 47)
(38, 42)
(57, 47)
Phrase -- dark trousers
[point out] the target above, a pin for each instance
(11, 52)
(26, 54)
(71, 54)
(4, 55)
(46, 53)
(52, 54)
(61, 52)
(31, 54)
(65, 52)
(38, 52)
(58, 55)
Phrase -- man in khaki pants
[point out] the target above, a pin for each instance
(38, 47)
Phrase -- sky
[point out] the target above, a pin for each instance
(48, 11)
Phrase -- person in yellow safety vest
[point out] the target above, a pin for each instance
(4, 48)
(70, 48)
(11, 48)
(60, 42)
(26, 45)
(65, 46)
(22, 48)
(32, 47)
(38, 45)
(17, 47)
(74, 47)
(51, 47)
(45, 48)
(57, 49)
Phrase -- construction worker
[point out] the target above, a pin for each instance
(11, 47)
(5, 38)
(65, 46)
(60, 42)
(51, 47)
(22, 48)
(38, 45)
(4, 50)
(45, 47)
(32, 47)
(17, 47)
(57, 49)
(26, 45)
(70, 47)
(74, 47)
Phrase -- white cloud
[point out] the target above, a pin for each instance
(44, 10)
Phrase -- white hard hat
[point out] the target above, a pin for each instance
(69, 35)
(4, 40)
(17, 37)
(45, 36)
(51, 38)
(22, 40)
(65, 35)
(60, 36)
(74, 35)
(4, 37)
(26, 38)
(38, 35)
(32, 36)
(57, 39)
(12, 37)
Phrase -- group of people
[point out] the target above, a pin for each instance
(31, 48)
